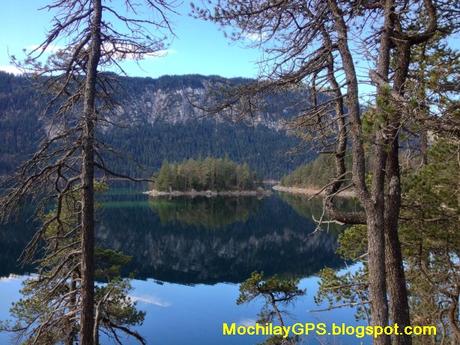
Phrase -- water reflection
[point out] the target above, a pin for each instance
(171, 240)
(313, 209)
(179, 242)
(14, 236)
(199, 240)
(210, 213)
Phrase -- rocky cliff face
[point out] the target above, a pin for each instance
(179, 99)
(160, 122)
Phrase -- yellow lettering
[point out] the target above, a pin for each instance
(228, 331)
(286, 330)
(297, 328)
(241, 330)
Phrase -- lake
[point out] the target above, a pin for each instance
(190, 255)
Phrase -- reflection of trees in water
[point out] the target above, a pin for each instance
(308, 208)
(14, 237)
(273, 239)
(210, 213)
(265, 235)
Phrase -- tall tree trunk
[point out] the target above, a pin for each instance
(376, 213)
(376, 245)
(374, 206)
(87, 180)
(396, 280)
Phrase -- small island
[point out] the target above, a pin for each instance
(206, 177)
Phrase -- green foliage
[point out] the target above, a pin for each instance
(265, 150)
(430, 236)
(49, 308)
(20, 127)
(349, 289)
(115, 307)
(431, 212)
(430, 239)
(216, 174)
(352, 242)
(38, 307)
(315, 174)
(272, 289)
(345, 290)
(370, 124)
(376, 117)
(275, 291)
(385, 106)
(109, 263)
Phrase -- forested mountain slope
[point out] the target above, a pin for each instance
(158, 122)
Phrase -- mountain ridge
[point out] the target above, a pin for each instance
(162, 124)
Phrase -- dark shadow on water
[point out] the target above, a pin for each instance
(201, 240)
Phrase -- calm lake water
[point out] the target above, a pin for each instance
(189, 256)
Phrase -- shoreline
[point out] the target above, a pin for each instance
(311, 191)
(209, 193)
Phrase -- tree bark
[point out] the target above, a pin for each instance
(346, 217)
(376, 213)
(87, 180)
(374, 205)
(396, 280)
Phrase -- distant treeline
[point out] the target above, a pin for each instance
(317, 173)
(217, 174)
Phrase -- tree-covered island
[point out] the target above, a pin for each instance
(209, 177)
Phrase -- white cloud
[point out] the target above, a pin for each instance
(255, 36)
(150, 300)
(10, 69)
(247, 322)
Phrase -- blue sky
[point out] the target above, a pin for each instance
(200, 47)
